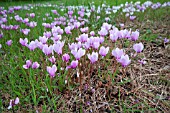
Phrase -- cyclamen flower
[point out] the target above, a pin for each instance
(32, 24)
(166, 40)
(73, 46)
(28, 64)
(106, 26)
(32, 45)
(86, 45)
(58, 47)
(78, 53)
(23, 42)
(47, 50)
(138, 47)
(96, 45)
(40, 45)
(103, 51)
(35, 65)
(66, 57)
(124, 60)
(114, 37)
(142, 61)
(93, 57)
(82, 38)
(26, 20)
(1, 35)
(0, 46)
(103, 32)
(67, 30)
(32, 15)
(92, 33)
(84, 30)
(9, 42)
(54, 11)
(132, 17)
(43, 39)
(76, 25)
(56, 37)
(25, 31)
(73, 64)
(13, 102)
(47, 34)
(134, 35)
(52, 59)
(70, 12)
(117, 53)
(57, 30)
(52, 70)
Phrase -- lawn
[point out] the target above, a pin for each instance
(85, 56)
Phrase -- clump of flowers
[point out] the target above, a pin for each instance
(13, 102)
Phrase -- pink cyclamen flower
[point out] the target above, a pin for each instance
(78, 53)
(13, 102)
(67, 30)
(142, 61)
(16, 101)
(103, 51)
(101, 40)
(75, 45)
(56, 37)
(106, 26)
(96, 45)
(132, 17)
(54, 11)
(73, 64)
(0, 46)
(52, 70)
(25, 31)
(138, 47)
(47, 50)
(92, 33)
(58, 47)
(35, 65)
(82, 38)
(76, 25)
(28, 64)
(47, 34)
(32, 45)
(70, 12)
(23, 41)
(166, 40)
(93, 57)
(43, 39)
(32, 15)
(25, 20)
(52, 59)
(84, 30)
(117, 53)
(9, 42)
(124, 60)
(114, 37)
(135, 35)
(32, 24)
(66, 57)
(1, 35)
(103, 32)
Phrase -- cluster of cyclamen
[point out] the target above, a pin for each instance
(13, 102)
(29, 64)
(123, 58)
(84, 44)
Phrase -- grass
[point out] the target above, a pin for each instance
(31, 85)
